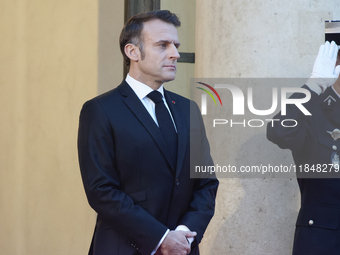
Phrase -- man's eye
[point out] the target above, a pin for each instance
(163, 45)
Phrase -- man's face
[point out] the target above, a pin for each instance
(160, 43)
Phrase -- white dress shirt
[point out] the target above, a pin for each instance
(142, 91)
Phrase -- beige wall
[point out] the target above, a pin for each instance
(48, 68)
(110, 60)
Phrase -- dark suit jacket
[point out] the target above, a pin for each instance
(129, 178)
(317, 227)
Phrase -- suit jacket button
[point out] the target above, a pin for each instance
(177, 182)
(334, 147)
(311, 222)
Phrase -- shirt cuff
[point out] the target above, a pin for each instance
(185, 228)
(160, 242)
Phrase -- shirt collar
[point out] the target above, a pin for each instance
(141, 89)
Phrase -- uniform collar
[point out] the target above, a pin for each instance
(335, 92)
(330, 101)
(329, 98)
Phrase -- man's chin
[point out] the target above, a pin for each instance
(169, 78)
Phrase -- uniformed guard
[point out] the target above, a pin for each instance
(315, 146)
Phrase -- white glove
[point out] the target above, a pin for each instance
(324, 72)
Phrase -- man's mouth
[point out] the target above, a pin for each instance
(170, 66)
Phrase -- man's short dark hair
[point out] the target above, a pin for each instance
(131, 32)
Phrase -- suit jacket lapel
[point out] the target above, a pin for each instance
(137, 107)
(181, 130)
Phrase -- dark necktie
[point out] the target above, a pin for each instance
(165, 124)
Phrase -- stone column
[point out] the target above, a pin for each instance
(257, 39)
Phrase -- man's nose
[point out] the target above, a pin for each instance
(174, 52)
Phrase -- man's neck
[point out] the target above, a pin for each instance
(152, 84)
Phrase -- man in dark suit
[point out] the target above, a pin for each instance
(134, 151)
(315, 146)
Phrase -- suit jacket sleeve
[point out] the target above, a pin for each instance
(102, 186)
(202, 206)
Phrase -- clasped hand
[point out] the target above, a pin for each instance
(176, 243)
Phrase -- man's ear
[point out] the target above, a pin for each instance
(132, 52)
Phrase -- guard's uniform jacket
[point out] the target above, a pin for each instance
(316, 151)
